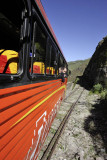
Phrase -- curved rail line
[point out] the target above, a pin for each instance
(51, 146)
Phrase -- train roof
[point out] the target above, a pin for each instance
(41, 9)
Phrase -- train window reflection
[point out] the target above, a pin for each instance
(38, 51)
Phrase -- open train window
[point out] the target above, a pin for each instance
(61, 62)
(10, 26)
(65, 69)
(37, 55)
(62, 66)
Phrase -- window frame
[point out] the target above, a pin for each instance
(51, 47)
(36, 19)
(60, 65)
(37, 22)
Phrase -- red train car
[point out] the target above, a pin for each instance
(32, 78)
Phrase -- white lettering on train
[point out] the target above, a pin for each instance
(39, 133)
(42, 128)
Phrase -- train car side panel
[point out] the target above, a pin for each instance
(26, 119)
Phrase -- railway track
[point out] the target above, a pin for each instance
(71, 93)
(51, 146)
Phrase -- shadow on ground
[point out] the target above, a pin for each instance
(96, 123)
(85, 83)
(96, 126)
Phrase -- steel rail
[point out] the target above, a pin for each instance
(71, 93)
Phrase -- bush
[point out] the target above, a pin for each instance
(75, 82)
(97, 88)
(104, 94)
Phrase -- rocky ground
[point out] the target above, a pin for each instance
(85, 134)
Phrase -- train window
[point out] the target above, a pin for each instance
(62, 66)
(38, 50)
(10, 26)
(61, 63)
(65, 70)
(48, 57)
(51, 61)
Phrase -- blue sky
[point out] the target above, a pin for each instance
(78, 25)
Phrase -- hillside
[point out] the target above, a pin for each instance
(96, 71)
(77, 68)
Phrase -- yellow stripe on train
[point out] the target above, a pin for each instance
(30, 111)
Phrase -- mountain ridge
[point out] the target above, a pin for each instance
(77, 68)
